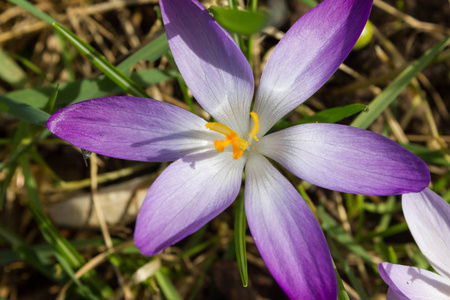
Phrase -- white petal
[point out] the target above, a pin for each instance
(428, 218)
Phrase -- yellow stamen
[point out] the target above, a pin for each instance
(255, 128)
(232, 138)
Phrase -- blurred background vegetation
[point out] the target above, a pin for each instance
(67, 217)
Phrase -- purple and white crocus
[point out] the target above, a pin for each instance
(210, 157)
(428, 218)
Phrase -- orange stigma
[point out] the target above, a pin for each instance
(232, 138)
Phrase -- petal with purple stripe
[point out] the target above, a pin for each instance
(188, 194)
(307, 56)
(132, 128)
(210, 62)
(287, 234)
(346, 159)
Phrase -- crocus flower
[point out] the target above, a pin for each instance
(210, 157)
(428, 218)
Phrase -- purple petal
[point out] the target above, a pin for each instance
(307, 56)
(346, 159)
(391, 295)
(414, 283)
(428, 218)
(210, 62)
(287, 234)
(187, 195)
(132, 128)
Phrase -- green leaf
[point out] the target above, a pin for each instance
(240, 21)
(240, 226)
(23, 111)
(334, 115)
(11, 72)
(126, 83)
(310, 3)
(331, 115)
(390, 93)
(80, 90)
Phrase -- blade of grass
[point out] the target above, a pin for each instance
(27, 253)
(330, 226)
(79, 90)
(67, 254)
(123, 81)
(51, 100)
(19, 135)
(24, 111)
(390, 93)
(167, 286)
(33, 10)
(25, 148)
(348, 272)
(240, 226)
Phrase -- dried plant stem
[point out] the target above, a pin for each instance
(101, 220)
(424, 26)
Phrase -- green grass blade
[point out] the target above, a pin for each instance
(19, 135)
(151, 52)
(390, 93)
(68, 256)
(310, 3)
(51, 100)
(24, 111)
(348, 272)
(11, 72)
(331, 115)
(79, 90)
(123, 81)
(23, 149)
(33, 10)
(240, 226)
(167, 286)
(333, 230)
(25, 252)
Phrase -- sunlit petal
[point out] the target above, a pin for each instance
(132, 128)
(428, 218)
(346, 159)
(414, 283)
(187, 195)
(287, 234)
(307, 56)
(211, 63)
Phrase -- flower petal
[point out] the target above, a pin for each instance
(414, 283)
(131, 128)
(188, 194)
(210, 62)
(391, 295)
(428, 218)
(287, 234)
(307, 56)
(346, 159)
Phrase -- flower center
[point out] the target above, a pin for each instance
(232, 138)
